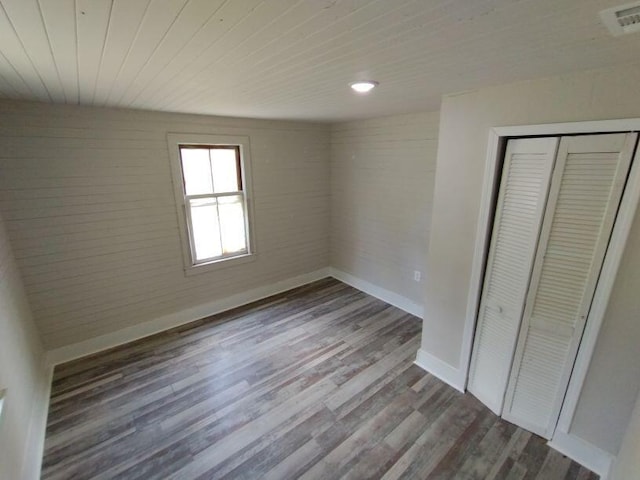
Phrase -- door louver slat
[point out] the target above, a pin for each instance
(570, 254)
(525, 179)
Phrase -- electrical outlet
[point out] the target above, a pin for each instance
(417, 275)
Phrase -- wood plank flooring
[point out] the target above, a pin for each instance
(314, 383)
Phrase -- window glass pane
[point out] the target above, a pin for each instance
(196, 170)
(206, 229)
(225, 173)
(232, 224)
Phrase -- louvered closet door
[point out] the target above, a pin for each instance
(523, 192)
(585, 193)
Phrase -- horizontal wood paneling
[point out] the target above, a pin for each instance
(87, 198)
(382, 173)
(290, 58)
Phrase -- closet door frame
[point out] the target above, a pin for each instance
(498, 136)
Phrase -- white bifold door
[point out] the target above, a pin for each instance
(556, 209)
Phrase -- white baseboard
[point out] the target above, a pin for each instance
(383, 294)
(586, 454)
(125, 335)
(129, 334)
(37, 427)
(436, 367)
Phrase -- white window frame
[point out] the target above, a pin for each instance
(175, 141)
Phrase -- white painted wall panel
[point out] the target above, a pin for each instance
(88, 202)
(628, 462)
(22, 374)
(466, 118)
(382, 173)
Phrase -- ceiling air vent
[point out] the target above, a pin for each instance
(622, 19)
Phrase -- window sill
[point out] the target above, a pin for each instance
(219, 264)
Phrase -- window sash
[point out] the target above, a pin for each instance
(187, 212)
(213, 195)
(187, 204)
(239, 166)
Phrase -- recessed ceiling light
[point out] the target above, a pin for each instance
(363, 86)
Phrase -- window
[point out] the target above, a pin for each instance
(210, 180)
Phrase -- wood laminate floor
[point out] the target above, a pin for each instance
(314, 383)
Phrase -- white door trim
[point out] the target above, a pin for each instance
(495, 149)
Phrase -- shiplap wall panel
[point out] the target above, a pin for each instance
(382, 173)
(17, 65)
(87, 198)
(27, 22)
(118, 43)
(59, 20)
(289, 58)
(93, 18)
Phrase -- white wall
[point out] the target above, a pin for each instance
(465, 120)
(613, 383)
(382, 174)
(88, 202)
(22, 374)
(627, 465)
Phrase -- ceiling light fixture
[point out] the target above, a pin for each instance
(364, 86)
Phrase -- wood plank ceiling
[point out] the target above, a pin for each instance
(291, 58)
